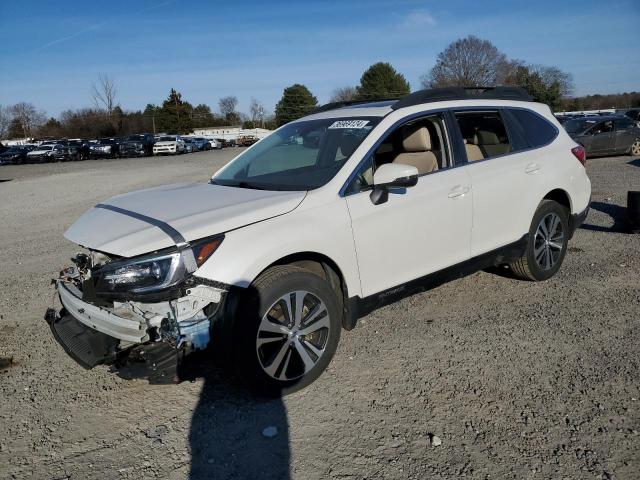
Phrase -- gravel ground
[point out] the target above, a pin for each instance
(515, 379)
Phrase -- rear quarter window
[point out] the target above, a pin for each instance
(537, 131)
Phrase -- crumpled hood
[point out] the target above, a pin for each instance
(194, 210)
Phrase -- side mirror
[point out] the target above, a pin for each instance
(390, 176)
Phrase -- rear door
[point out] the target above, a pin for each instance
(504, 178)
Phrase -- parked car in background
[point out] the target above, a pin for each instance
(15, 155)
(605, 135)
(169, 145)
(42, 153)
(189, 145)
(140, 145)
(201, 142)
(104, 148)
(293, 241)
(214, 143)
(246, 140)
(64, 153)
(80, 146)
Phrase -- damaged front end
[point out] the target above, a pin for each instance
(149, 310)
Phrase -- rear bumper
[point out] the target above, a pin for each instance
(576, 219)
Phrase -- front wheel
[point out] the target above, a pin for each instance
(635, 148)
(547, 245)
(287, 330)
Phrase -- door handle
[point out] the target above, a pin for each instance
(532, 168)
(458, 191)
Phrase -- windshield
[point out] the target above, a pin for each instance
(15, 150)
(135, 137)
(167, 139)
(106, 141)
(45, 147)
(300, 156)
(578, 126)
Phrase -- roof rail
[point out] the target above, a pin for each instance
(462, 93)
(346, 103)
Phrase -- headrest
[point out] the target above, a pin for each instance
(348, 144)
(482, 137)
(416, 138)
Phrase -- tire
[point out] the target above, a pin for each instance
(634, 149)
(544, 253)
(271, 354)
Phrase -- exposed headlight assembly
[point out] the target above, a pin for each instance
(152, 274)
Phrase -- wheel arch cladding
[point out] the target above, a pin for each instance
(323, 266)
(560, 196)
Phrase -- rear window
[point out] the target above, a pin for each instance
(537, 131)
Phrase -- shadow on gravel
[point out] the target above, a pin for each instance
(616, 212)
(635, 162)
(228, 437)
(5, 180)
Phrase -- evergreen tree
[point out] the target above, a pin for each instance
(296, 102)
(175, 115)
(380, 81)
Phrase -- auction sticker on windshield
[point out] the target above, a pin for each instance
(349, 124)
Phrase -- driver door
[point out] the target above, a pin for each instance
(418, 231)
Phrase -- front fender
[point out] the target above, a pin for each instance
(321, 229)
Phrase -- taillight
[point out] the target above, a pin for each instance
(580, 153)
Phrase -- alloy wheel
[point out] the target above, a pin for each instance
(293, 335)
(548, 241)
(635, 148)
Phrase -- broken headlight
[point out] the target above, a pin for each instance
(141, 275)
(154, 273)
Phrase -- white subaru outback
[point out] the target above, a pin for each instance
(329, 217)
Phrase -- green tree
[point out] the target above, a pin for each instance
(381, 81)
(296, 102)
(175, 115)
(202, 116)
(534, 84)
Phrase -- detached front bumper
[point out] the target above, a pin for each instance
(157, 335)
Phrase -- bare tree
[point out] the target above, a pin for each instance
(5, 121)
(104, 93)
(28, 116)
(549, 75)
(344, 94)
(257, 111)
(467, 62)
(228, 105)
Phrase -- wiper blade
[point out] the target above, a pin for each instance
(242, 184)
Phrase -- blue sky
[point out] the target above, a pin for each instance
(51, 51)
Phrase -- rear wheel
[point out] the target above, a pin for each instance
(287, 331)
(635, 148)
(547, 246)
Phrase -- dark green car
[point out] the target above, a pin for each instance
(605, 135)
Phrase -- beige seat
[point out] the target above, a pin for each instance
(473, 151)
(417, 146)
(489, 143)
